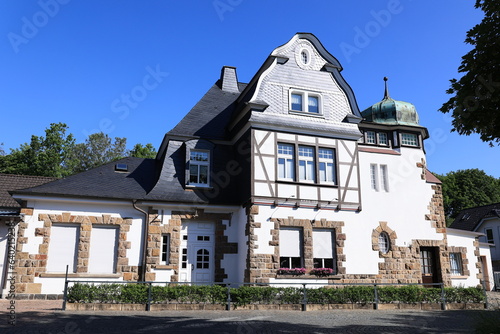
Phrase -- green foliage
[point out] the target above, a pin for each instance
(468, 188)
(134, 293)
(139, 151)
(97, 150)
(57, 154)
(245, 295)
(43, 156)
(475, 104)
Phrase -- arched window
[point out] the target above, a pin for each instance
(202, 259)
(384, 242)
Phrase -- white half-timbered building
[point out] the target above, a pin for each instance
(283, 172)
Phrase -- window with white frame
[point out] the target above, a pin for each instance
(307, 170)
(326, 162)
(384, 179)
(304, 56)
(103, 249)
(306, 102)
(382, 139)
(199, 166)
(374, 177)
(286, 162)
(489, 236)
(165, 249)
(323, 249)
(370, 137)
(384, 243)
(456, 264)
(409, 139)
(290, 248)
(379, 179)
(63, 248)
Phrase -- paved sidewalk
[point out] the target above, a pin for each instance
(46, 317)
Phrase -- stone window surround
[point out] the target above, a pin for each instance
(29, 266)
(307, 227)
(383, 227)
(465, 262)
(86, 223)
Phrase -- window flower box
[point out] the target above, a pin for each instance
(321, 272)
(293, 271)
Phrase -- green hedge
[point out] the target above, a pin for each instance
(244, 295)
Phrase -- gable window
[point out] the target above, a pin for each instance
(297, 102)
(165, 249)
(326, 165)
(286, 163)
(409, 139)
(290, 248)
(489, 236)
(384, 242)
(199, 162)
(306, 102)
(306, 164)
(323, 249)
(304, 56)
(456, 264)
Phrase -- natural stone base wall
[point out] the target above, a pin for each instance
(281, 307)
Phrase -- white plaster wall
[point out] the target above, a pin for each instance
(163, 275)
(239, 221)
(493, 224)
(458, 239)
(405, 205)
(297, 283)
(56, 285)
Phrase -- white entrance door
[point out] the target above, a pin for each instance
(197, 252)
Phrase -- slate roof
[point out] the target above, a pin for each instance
(104, 182)
(10, 182)
(209, 117)
(469, 219)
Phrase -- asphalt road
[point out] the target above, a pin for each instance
(46, 317)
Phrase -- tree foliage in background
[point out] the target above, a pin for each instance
(468, 188)
(139, 151)
(58, 155)
(43, 156)
(97, 150)
(475, 104)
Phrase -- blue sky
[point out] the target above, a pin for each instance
(134, 68)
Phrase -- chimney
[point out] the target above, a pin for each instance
(229, 81)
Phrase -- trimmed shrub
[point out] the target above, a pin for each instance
(244, 295)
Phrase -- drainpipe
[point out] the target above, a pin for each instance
(142, 275)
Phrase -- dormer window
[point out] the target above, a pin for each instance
(305, 102)
(371, 137)
(199, 163)
(409, 139)
(382, 139)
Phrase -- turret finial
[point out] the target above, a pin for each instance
(386, 93)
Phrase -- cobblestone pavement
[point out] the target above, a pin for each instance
(47, 317)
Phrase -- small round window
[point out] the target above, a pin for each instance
(384, 243)
(304, 56)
